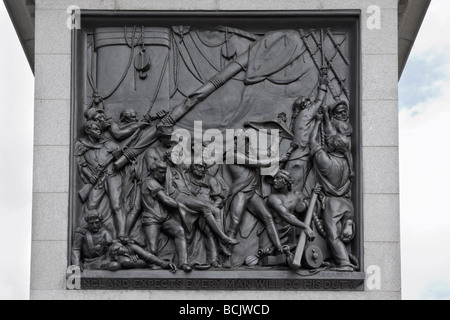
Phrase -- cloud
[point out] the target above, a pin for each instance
(424, 123)
(16, 145)
(424, 189)
(15, 262)
(428, 68)
(424, 156)
(423, 79)
(437, 291)
(434, 35)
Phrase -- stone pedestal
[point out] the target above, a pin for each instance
(379, 160)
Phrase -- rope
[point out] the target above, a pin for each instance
(312, 272)
(132, 44)
(201, 53)
(322, 135)
(312, 54)
(198, 76)
(207, 45)
(158, 86)
(319, 226)
(338, 46)
(130, 61)
(135, 191)
(226, 41)
(332, 68)
(90, 72)
(122, 78)
(222, 62)
(176, 65)
(239, 32)
(155, 95)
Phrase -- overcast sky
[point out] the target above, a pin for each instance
(424, 161)
(16, 158)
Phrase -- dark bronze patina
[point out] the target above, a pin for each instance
(140, 220)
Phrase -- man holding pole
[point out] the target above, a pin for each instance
(333, 171)
(94, 156)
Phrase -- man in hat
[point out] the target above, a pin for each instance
(127, 125)
(132, 256)
(336, 120)
(94, 155)
(336, 125)
(157, 217)
(285, 203)
(153, 154)
(91, 244)
(245, 192)
(97, 115)
(305, 110)
(190, 204)
(159, 153)
(124, 132)
(333, 169)
(206, 187)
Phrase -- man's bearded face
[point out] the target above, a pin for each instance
(198, 170)
(341, 113)
(94, 225)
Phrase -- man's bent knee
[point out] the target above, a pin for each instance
(178, 232)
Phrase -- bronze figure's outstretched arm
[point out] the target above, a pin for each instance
(194, 99)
